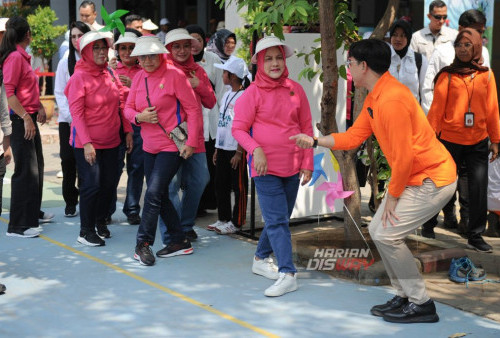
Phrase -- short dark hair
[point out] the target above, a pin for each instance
(87, 3)
(436, 3)
(376, 53)
(131, 18)
(472, 17)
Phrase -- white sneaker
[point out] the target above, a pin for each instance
(212, 227)
(31, 232)
(284, 284)
(265, 267)
(47, 217)
(226, 228)
(59, 174)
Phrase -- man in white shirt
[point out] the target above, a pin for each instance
(425, 40)
(88, 14)
(164, 27)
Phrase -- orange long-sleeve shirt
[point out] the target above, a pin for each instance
(413, 152)
(448, 108)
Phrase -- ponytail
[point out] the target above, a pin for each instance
(16, 29)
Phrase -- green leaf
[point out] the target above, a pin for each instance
(278, 31)
(302, 11)
(120, 26)
(287, 13)
(118, 13)
(343, 72)
(104, 15)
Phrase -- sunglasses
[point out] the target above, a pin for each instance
(440, 17)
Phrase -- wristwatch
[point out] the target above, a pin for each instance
(315, 142)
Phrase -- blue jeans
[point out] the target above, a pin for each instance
(276, 199)
(135, 175)
(96, 186)
(159, 169)
(192, 177)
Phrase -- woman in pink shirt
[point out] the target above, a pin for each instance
(127, 67)
(21, 87)
(271, 110)
(193, 175)
(95, 99)
(161, 98)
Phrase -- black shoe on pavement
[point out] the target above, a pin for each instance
(395, 303)
(134, 219)
(428, 233)
(413, 313)
(144, 254)
(2, 289)
(103, 231)
(70, 211)
(191, 235)
(90, 239)
(176, 249)
(477, 243)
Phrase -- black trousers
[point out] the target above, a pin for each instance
(208, 199)
(27, 180)
(2, 175)
(68, 165)
(475, 163)
(227, 178)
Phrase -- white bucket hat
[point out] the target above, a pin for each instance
(3, 22)
(177, 35)
(148, 45)
(128, 37)
(149, 25)
(94, 36)
(164, 21)
(270, 41)
(234, 65)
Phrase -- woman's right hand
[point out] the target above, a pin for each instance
(214, 157)
(89, 152)
(29, 127)
(260, 161)
(148, 115)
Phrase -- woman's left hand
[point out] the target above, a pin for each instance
(42, 116)
(305, 175)
(186, 152)
(494, 151)
(193, 80)
(129, 142)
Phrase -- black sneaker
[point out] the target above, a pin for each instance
(477, 243)
(102, 231)
(134, 219)
(413, 313)
(2, 289)
(191, 235)
(395, 303)
(144, 254)
(176, 249)
(90, 239)
(70, 211)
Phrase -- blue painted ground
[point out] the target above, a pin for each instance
(59, 288)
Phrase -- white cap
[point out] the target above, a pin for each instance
(270, 41)
(164, 21)
(177, 35)
(148, 45)
(94, 36)
(3, 21)
(234, 65)
(128, 37)
(149, 25)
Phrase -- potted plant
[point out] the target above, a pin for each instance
(44, 32)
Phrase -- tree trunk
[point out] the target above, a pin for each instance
(328, 124)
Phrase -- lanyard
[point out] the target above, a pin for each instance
(229, 102)
(467, 88)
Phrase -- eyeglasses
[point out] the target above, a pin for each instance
(467, 45)
(77, 36)
(97, 49)
(126, 48)
(348, 62)
(149, 57)
(440, 17)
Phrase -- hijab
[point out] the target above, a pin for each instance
(187, 66)
(405, 26)
(198, 30)
(467, 68)
(262, 80)
(87, 64)
(217, 42)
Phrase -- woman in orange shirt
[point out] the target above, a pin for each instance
(464, 114)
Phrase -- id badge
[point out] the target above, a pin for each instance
(469, 120)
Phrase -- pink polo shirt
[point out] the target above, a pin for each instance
(19, 79)
(267, 119)
(166, 85)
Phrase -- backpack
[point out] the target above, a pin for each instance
(418, 61)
